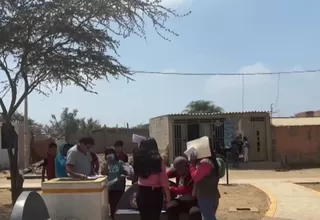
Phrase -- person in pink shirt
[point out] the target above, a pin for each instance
(150, 169)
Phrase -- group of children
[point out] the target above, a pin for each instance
(55, 164)
(195, 191)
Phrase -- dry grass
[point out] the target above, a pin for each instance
(241, 196)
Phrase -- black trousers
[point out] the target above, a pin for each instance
(114, 198)
(184, 204)
(150, 202)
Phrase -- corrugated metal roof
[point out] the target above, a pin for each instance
(220, 113)
(287, 122)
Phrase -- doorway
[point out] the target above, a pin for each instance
(193, 132)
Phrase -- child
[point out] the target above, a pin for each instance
(114, 169)
(48, 165)
(118, 145)
(183, 202)
(95, 162)
(60, 160)
(205, 174)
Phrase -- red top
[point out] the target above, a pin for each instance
(94, 158)
(50, 165)
(184, 188)
(199, 171)
(122, 156)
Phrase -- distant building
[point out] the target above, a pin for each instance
(307, 114)
(173, 131)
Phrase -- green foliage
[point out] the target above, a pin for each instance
(202, 106)
(69, 124)
(142, 126)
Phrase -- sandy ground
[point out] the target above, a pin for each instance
(5, 204)
(234, 176)
(241, 196)
(272, 174)
(314, 186)
(231, 196)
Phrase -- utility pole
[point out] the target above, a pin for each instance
(26, 132)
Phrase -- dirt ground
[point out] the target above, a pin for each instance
(231, 196)
(272, 174)
(5, 204)
(241, 196)
(314, 186)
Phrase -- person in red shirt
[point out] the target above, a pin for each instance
(48, 165)
(95, 162)
(118, 145)
(184, 201)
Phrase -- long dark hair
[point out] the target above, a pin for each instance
(111, 150)
(214, 161)
(147, 159)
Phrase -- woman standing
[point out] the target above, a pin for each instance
(245, 149)
(205, 174)
(150, 169)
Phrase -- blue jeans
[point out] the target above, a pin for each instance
(208, 208)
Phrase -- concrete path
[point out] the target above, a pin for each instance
(292, 201)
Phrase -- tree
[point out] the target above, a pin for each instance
(67, 124)
(142, 126)
(87, 125)
(47, 45)
(202, 106)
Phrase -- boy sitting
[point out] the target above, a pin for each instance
(183, 202)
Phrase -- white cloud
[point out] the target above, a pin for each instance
(261, 91)
(218, 83)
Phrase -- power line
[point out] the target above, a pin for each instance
(223, 74)
(242, 93)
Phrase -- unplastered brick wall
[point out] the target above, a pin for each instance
(106, 138)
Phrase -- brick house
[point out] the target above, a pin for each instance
(296, 140)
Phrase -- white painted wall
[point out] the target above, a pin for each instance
(4, 157)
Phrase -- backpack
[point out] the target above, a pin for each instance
(222, 166)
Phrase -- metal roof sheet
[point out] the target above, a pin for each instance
(217, 113)
(287, 122)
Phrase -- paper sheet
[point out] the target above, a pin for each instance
(190, 151)
(94, 177)
(137, 138)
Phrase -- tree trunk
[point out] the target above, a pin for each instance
(16, 179)
(12, 148)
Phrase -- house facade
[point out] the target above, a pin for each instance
(173, 131)
(296, 140)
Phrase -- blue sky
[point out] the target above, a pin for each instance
(219, 36)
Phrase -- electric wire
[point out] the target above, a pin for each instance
(223, 74)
